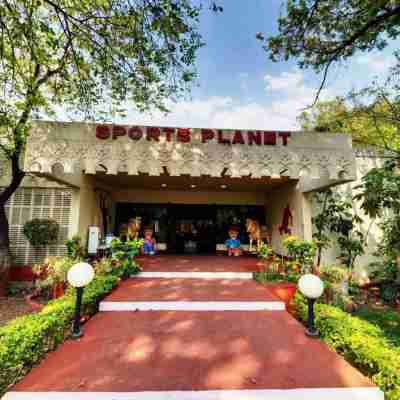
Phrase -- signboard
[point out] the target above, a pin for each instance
(184, 135)
(93, 239)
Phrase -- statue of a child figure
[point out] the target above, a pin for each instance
(149, 245)
(233, 243)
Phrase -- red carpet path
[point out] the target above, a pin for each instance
(192, 350)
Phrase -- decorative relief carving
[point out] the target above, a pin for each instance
(194, 158)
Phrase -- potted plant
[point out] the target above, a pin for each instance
(52, 275)
(282, 277)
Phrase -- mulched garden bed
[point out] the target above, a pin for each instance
(16, 306)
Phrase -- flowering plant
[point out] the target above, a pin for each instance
(301, 253)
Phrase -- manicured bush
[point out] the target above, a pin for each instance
(26, 340)
(41, 232)
(361, 343)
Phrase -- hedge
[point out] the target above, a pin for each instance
(25, 340)
(361, 343)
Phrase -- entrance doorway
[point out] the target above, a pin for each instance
(190, 228)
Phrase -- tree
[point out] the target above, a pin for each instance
(89, 57)
(373, 123)
(379, 193)
(319, 33)
(337, 217)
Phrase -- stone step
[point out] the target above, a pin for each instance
(197, 275)
(192, 305)
(271, 394)
(197, 263)
(189, 289)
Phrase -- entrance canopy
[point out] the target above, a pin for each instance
(135, 150)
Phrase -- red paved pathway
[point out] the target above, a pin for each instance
(194, 263)
(191, 351)
(177, 289)
(186, 350)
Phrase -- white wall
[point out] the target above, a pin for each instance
(300, 208)
(370, 227)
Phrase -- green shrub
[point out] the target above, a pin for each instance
(361, 343)
(75, 250)
(26, 340)
(41, 232)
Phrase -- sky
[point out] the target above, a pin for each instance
(238, 87)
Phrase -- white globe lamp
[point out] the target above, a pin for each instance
(79, 276)
(312, 287)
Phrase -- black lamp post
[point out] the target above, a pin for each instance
(79, 276)
(312, 287)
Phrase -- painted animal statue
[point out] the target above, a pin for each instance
(256, 233)
(133, 228)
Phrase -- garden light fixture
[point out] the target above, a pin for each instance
(79, 276)
(312, 287)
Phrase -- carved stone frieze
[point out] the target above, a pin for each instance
(304, 156)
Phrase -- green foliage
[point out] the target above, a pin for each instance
(273, 275)
(379, 190)
(123, 254)
(300, 253)
(41, 232)
(52, 271)
(26, 340)
(384, 270)
(318, 33)
(91, 57)
(264, 251)
(387, 320)
(362, 343)
(276, 269)
(379, 194)
(75, 250)
(372, 124)
(337, 216)
(390, 293)
(334, 273)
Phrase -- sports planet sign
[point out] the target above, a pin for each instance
(185, 135)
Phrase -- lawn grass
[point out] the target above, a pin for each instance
(387, 319)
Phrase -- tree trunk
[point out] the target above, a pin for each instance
(17, 175)
(5, 256)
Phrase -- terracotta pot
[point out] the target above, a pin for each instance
(58, 290)
(285, 291)
(30, 299)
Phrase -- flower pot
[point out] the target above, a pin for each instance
(58, 290)
(285, 291)
(30, 299)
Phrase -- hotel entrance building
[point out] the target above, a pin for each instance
(189, 184)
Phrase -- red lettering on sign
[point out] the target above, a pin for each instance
(153, 133)
(269, 138)
(103, 131)
(254, 137)
(118, 130)
(183, 135)
(238, 138)
(168, 133)
(206, 135)
(135, 133)
(284, 136)
(222, 139)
